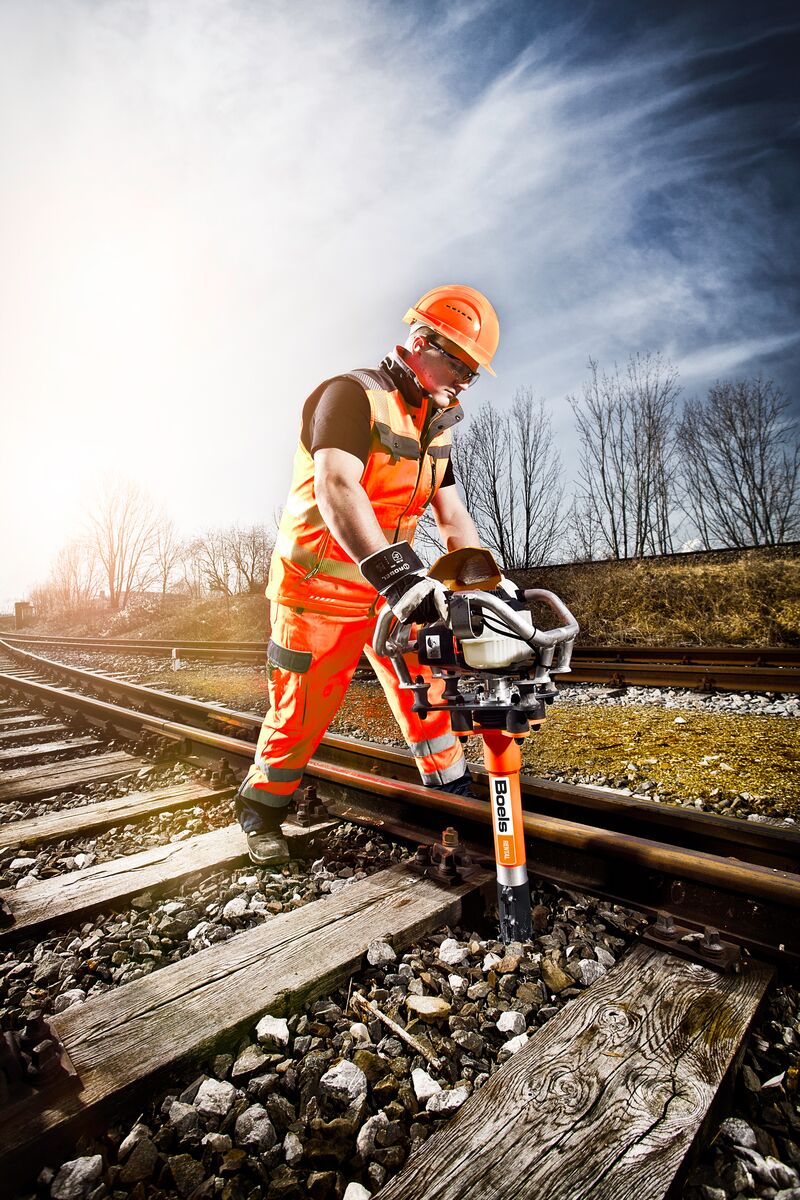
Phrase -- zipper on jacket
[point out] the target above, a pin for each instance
(320, 556)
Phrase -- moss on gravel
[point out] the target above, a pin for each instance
(713, 757)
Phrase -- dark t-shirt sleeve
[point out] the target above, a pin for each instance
(336, 416)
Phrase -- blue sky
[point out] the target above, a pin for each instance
(207, 208)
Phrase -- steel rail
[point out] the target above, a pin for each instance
(706, 668)
(754, 904)
(755, 656)
(771, 846)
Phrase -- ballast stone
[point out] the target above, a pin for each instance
(368, 1133)
(555, 979)
(516, 1043)
(344, 1082)
(380, 953)
(255, 1130)
(356, 1191)
(428, 1008)
(739, 1132)
(187, 1173)
(292, 1149)
(183, 1118)
(215, 1098)
(424, 1085)
(511, 1022)
(77, 1178)
(447, 1102)
(452, 953)
(591, 971)
(273, 1032)
(235, 908)
(251, 1059)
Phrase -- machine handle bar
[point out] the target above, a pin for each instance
(544, 638)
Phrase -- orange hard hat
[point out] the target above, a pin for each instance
(464, 316)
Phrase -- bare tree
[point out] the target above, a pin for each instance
(73, 580)
(212, 553)
(250, 549)
(165, 552)
(741, 465)
(193, 581)
(123, 526)
(625, 496)
(510, 474)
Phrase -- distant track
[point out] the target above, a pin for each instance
(699, 668)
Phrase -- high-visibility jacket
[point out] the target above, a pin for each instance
(409, 450)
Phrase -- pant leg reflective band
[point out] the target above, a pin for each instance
(446, 774)
(290, 660)
(280, 774)
(260, 796)
(434, 746)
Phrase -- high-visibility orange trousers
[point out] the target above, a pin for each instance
(311, 660)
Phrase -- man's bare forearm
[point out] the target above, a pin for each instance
(348, 513)
(459, 532)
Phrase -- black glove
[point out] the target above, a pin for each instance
(399, 575)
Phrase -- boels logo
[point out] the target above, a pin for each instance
(503, 824)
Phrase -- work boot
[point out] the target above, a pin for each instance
(267, 846)
(458, 787)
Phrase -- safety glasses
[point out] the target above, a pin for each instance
(463, 373)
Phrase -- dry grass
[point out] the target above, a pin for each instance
(754, 600)
(719, 599)
(712, 757)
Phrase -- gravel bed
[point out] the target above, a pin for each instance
(776, 704)
(49, 974)
(330, 1102)
(20, 867)
(146, 779)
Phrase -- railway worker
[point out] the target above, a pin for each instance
(373, 453)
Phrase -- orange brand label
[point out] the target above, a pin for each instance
(505, 850)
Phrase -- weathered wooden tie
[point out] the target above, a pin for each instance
(32, 754)
(605, 1100)
(118, 1040)
(33, 783)
(118, 810)
(24, 718)
(29, 733)
(76, 893)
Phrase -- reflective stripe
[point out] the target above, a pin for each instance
(262, 796)
(308, 559)
(434, 746)
(446, 774)
(297, 661)
(280, 774)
